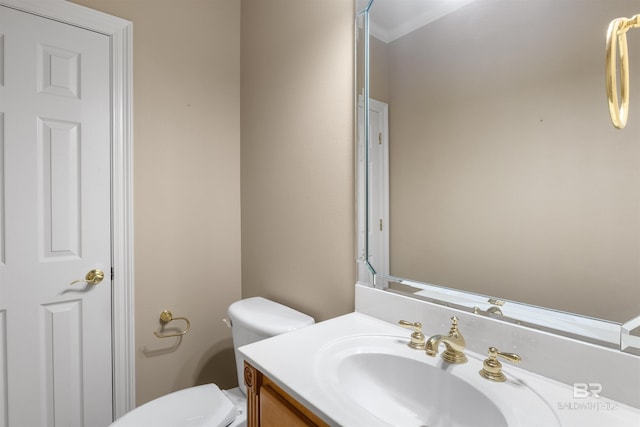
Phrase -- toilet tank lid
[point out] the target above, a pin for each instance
(267, 317)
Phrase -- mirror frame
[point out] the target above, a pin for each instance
(625, 337)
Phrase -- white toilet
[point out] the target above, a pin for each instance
(251, 320)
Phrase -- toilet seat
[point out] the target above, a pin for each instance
(199, 406)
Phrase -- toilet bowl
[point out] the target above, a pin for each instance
(251, 320)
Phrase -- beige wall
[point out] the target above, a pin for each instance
(297, 170)
(297, 154)
(187, 185)
(379, 70)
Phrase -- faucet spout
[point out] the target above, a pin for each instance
(454, 345)
(432, 344)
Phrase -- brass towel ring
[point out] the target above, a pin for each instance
(617, 48)
(166, 317)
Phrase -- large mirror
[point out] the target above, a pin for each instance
(493, 174)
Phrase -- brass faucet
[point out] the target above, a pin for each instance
(491, 310)
(454, 344)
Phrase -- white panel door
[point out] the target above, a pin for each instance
(379, 186)
(376, 249)
(55, 226)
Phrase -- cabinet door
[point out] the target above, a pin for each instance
(270, 406)
(275, 411)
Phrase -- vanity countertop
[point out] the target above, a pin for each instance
(291, 360)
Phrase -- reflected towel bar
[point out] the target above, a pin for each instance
(166, 317)
(617, 41)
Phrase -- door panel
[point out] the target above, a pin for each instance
(59, 145)
(55, 339)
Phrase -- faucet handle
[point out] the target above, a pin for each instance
(418, 339)
(492, 368)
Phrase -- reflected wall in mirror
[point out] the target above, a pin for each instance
(506, 176)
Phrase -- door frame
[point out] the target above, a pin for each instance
(120, 33)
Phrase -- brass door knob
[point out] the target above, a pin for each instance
(93, 277)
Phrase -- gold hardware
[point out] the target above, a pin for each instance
(93, 277)
(380, 224)
(166, 317)
(495, 301)
(617, 48)
(417, 337)
(494, 310)
(492, 368)
(491, 310)
(454, 344)
(379, 138)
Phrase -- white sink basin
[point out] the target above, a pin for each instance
(388, 383)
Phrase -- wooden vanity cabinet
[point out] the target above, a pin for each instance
(270, 406)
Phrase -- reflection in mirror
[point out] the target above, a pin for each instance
(506, 179)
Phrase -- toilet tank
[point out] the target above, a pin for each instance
(257, 318)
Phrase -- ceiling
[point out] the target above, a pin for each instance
(392, 19)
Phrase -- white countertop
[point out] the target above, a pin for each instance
(291, 360)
